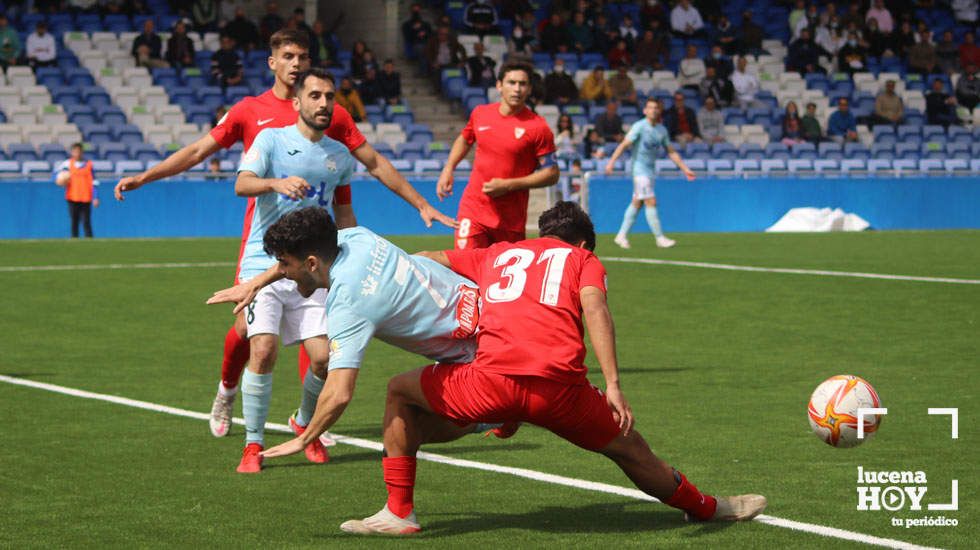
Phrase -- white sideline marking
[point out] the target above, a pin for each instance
(462, 463)
(823, 272)
(89, 267)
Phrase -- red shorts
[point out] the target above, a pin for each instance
(471, 234)
(465, 394)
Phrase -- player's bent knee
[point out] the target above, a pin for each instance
(407, 386)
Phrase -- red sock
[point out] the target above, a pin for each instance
(236, 355)
(694, 502)
(303, 362)
(399, 474)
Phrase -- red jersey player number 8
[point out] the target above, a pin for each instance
(516, 261)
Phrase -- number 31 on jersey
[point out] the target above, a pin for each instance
(516, 261)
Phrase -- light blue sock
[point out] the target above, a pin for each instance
(653, 220)
(256, 394)
(311, 392)
(628, 218)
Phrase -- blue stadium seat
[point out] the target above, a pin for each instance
(828, 147)
(113, 151)
(853, 164)
(932, 131)
(826, 165)
(876, 164)
(65, 95)
(79, 77)
(22, 152)
(906, 130)
(35, 168)
(143, 152)
(124, 166)
(905, 164)
(776, 150)
(746, 165)
(805, 151)
(126, 133)
(9, 167)
(720, 165)
(933, 150)
(234, 94)
(52, 152)
(882, 150)
(751, 151)
(95, 96)
(110, 114)
(427, 165)
(856, 151)
(799, 165)
(165, 76)
(907, 151)
(697, 165)
(931, 165)
(956, 165)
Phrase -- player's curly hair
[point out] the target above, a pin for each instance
(305, 232)
(568, 222)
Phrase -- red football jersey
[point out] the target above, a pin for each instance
(251, 115)
(531, 320)
(506, 147)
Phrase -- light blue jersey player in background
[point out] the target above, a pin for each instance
(649, 139)
(375, 290)
(286, 169)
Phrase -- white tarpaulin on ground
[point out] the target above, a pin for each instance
(818, 219)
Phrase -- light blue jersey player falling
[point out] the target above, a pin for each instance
(278, 153)
(378, 289)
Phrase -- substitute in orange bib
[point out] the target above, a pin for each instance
(81, 189)
(515, 152)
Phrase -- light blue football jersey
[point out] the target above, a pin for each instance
(378, 289)
(282, 152)
(649, 143)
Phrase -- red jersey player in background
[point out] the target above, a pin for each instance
(273, 109)
(514, 153)
(529, 368)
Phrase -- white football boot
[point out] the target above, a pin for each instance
(220, 420)
(383, 523)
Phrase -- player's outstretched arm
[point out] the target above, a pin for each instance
(602, 334)
(381, 168)
(439, 257)
(620, 149)
(249, 184)
(461, 148)
(337, 392)
(185, 158)
(242, 294)
(676, 157)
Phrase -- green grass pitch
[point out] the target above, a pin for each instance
(718, 366)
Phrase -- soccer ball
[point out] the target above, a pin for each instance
(833, 410)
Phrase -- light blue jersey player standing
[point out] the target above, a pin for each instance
(649, 139)
(375, 290)
(286, 169)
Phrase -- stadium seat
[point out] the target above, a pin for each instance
(799, 165)
(665, 167)
(743, 165)
(956, 165)
(35, 168)
(905, 164)
(129, 167)
(853, 164)
(773, 165)
(720, 165)
(826, 165)
(931, 165)
(427, 165)
(22, 152)
(9, 167)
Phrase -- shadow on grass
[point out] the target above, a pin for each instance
(621, 517)
(28, 375)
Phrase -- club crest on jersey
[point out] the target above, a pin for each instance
(518, 132)
(331, 165)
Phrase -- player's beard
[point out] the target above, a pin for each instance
(312, 123)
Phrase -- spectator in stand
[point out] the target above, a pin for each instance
(651, 55)
(481, 68)
(681, 122)
(726, 36)
(270, 22)
(41, 49)
(369, 88)
(852, 57)
(940, 106)
(416, 33)
(797, 14)
(920, 28)
(606, 34)
(922, 56)
(804, 55)
(853, 15)
(711, 122)
(717, 88)
(969, 52)
(904, 39)
(581, 33)
(878, 42)
(691, 71)
(555, 35)
(480, 18)
(214, 169)
(628, 32)
(559, 86)
(512, 9)
(722, 64)
(750, 36)
(566, 146)
(245, 33)
(348, 98)
(204, 15)
(965, 11)
(652, 10)
(882, 16)
(623, 89)
(594, 145)
(443, 52)
(609, 124)
(947, 52)
(810, 126)
(357, 65)
(147, 46)
(226, 65)
(792, 127)
(521, 42)
(9, 44)
(180, 47)
(620, 55)
(595, 87)
(298, 21)
(889, 108)
(391, 83)
(829, 37)
(685, 20)
(968, 88)
(746, 86)
(323, 49)
(842, 126)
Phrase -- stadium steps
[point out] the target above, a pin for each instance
(429, 108)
